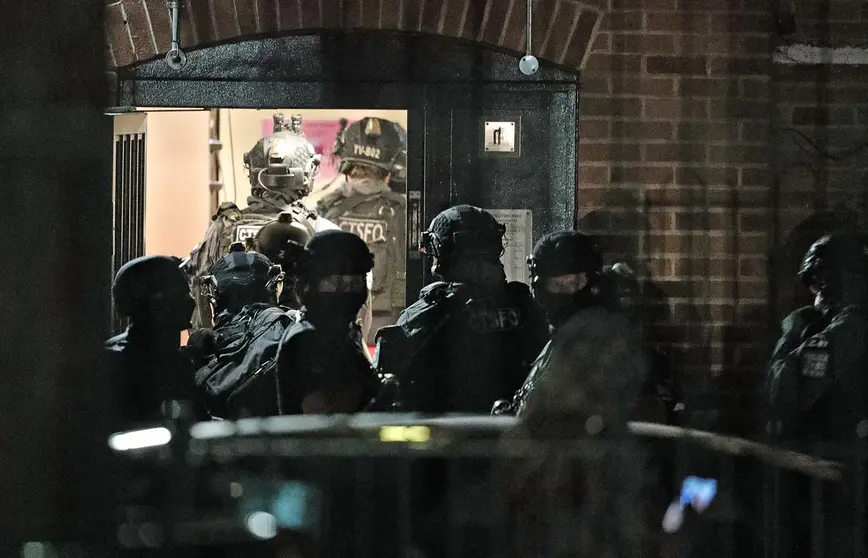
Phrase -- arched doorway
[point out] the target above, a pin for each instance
(456, 93)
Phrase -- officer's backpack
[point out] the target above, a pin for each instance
(240, 380)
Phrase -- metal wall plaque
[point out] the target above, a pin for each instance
(501, 138)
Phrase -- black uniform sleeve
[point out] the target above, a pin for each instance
(792, 329)
(847, 338)
(781, 383)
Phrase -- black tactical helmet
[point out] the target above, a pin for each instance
(374, 142)
(283, 162)
(565, 252)
(833, 259)
(337, 252)
(463, 229)
(146, 280)
(240, 270)
(282, 241)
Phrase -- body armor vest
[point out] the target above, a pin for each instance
(229, 225)
(456, 350)
(380, 220)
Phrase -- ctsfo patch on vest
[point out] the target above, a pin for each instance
(484, 320)
(246, 232)
(369, 230)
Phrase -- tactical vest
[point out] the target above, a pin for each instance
(379, 220)
(457, 350)
(818, 392)
(240, 378)
(229, 225)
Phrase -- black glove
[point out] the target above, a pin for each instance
(388, 398)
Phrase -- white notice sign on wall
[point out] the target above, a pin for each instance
(517, 242)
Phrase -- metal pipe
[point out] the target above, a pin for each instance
(175, 58)
(173, 5)
(529, 25)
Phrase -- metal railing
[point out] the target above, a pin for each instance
(394, 485)
(129, 205)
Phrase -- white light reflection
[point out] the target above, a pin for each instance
(138, 439)
(38, 550)
(405, 434)
(262, 525)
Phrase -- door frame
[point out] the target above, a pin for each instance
(374, 70)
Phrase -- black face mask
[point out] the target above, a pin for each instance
(560, 307)
(337, 308)
(187, 309)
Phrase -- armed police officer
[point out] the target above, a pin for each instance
(817, 384)
(586, 384)
(372, 154)
(595, 355)
(237, 360)
(323, 366)
(281, 169)
(147, 359)
(470, 338)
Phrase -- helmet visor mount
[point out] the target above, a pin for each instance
(289, 164)
(472, 242)
(281, 178)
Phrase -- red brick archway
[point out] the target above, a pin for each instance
(563, 30)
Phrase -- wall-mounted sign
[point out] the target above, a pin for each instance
(501, 138)
(517, 242)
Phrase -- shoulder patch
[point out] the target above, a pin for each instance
(816, 342)
(815, 357)
(229, 211)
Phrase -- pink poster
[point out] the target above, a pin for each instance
(322, 134)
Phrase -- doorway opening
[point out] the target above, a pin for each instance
(174, 167)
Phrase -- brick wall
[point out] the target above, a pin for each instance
(691, 170)
(138, 30)
(691, 163)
